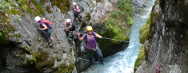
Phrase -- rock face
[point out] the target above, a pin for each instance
(167, 50)
(33, 53)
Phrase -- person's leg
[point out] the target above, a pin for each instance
(49, 34)
(96, 56)
(44, 34)
(90, 55)
(93, 56)
(75, 15)
(67, 33)
(79, 17)
(99, 55)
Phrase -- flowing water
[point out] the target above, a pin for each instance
(123, 62)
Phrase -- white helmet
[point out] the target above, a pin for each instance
(68, 20)
(74, 3)
(43, 18)
(37, 18)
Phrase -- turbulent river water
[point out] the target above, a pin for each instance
(123, 62)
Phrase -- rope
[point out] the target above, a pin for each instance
(114, 39)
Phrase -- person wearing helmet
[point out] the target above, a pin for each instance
(90, 44)
(45, 27)
(68, 27)
(158, 68)
(76, 10)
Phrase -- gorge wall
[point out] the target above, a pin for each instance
(166, 49)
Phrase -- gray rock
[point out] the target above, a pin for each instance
(169, 38)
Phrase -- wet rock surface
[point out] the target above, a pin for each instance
(168, 43)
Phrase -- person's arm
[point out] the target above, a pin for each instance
(98, 36)
(70, 25)
(74, 8)
(81, 37)
(77, 8)
(44, 27)
(67, 26)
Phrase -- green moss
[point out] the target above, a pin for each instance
(145, 31)
(3, 39)
(43, 60)
(6, 28)
(40, 60)
(140, 58)
(114, 31)
(6, 5)
(14, 11)
(65, 68)
(39, 8)
(117, 26)
(117, 32)
(88, 17)
(64, 5)
(120, 20)
(126, 6)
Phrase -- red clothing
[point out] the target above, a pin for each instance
(157, 68)
(46, 21)
(76, 8)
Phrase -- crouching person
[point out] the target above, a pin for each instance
(45, 27)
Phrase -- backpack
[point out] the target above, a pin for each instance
(46, 21)
(77, 9)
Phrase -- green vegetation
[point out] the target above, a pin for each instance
(20, 6)
(43, 60)
(88, 16)
(40, 59)
(140, 58)
(145, 34)
(117, 25)
(120, 20)
(145, 31)
(37, 9)
(7, 7)
(64, 5)
(65, 68)
(5, 28)
(32, 7)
